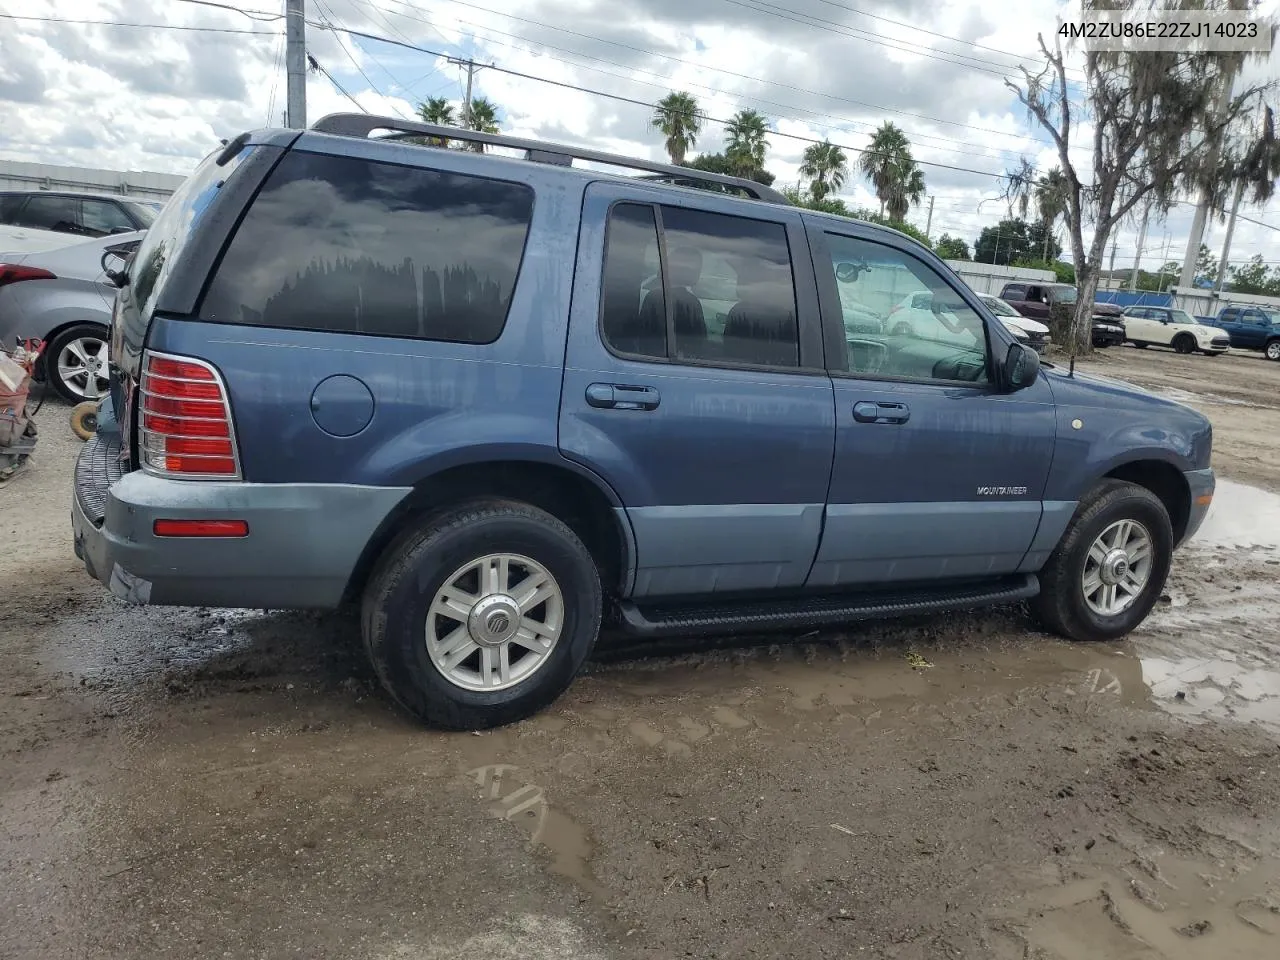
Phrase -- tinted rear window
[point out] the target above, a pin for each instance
(354, 246)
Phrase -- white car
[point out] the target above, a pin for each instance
(35, 221)
(1170, 327)
(913, 316)
(1037, 333)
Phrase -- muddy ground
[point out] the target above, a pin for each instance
(232, 784)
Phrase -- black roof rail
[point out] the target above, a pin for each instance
(361, 125)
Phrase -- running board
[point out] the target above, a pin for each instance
(660, 619)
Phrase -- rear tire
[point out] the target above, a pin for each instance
(1069, 604)
(1184, 343)
(436, 638)
(1272, 350)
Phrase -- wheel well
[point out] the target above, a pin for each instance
(566, 495)
(1166, 482)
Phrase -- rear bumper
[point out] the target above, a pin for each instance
(304, 539)
(1201, 484)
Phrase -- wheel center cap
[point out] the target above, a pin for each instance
(1114, 566)
(494, 620)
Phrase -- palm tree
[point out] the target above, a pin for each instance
(483, 118)
(745, 139)
(676, 117)
(907, 190)
(882, 161)
(826, 167)
(1051, 202)
(438, 111)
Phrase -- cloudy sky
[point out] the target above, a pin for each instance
(86, 85)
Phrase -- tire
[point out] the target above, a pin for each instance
(1140, 344)
(1184, 343)
(84, 419)
(1272, 350)
(399, 609)
(1061, 605)
(68, 352)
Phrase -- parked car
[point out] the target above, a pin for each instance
(1035, 300)
(1251, 328)
(914, 316)
(1037, 332)
(35, 221)
(428, 380)
(64, 298)
(1170, 327)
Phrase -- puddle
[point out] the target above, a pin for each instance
(1241, 516)
(1185, 396)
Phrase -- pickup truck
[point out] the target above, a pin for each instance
(1035, 300)
(1252, 328)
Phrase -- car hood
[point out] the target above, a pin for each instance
(1107, 310)
(1023, 323)
(1200, 330)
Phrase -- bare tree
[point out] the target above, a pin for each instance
(1019, 185)
(1156, 126)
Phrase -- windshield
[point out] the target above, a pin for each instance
(1000, 308)
(1181, 316)
(1062, 294)
(145, 211)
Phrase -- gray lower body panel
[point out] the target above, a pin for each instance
(707, 549)
(866, 543)
(304, 539)
(1201, 484)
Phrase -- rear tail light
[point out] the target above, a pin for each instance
(185, 428)
(16, 273)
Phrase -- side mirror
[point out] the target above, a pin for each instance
(1021, 367)
(115, 263)
(847, 272)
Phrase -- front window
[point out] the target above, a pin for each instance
(920, 329)
(1000, 308)
(1062, 294)
(145, 211)
(1181, 316)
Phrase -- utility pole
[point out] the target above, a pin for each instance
(1188, 278)
(295, 63)
(1226, 243)
(466, 103)
(1137, 260)
(928, 224)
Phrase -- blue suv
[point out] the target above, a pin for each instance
(502, 402)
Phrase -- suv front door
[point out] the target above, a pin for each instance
(937, 473)
(694, 385)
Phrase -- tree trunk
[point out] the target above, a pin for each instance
(1086, 287)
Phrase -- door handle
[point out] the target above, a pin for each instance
(871, 411)
(622, 396)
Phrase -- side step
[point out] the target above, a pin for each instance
(661, 619)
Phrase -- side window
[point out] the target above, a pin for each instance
(1227, 316)
(1014, 291)
(10, 203)
(44, 212)
(101, 217)
(726, 283)
(633, 312)
(886, 334)
(349, 245)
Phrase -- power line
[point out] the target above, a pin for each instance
(698, 66)
(666, 82)
(146, 26)
(328, 18)
(315, 65)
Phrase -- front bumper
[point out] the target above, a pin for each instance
(1201, 484)
(1213, 344)
(303, 545)
(1110, 335)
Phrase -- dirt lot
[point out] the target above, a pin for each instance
(232, 784)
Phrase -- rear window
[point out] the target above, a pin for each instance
(348, 245)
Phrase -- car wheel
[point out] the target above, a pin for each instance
(1272, 350)
(1110, 566)
(75, 362)
(483, 615)
(1184, 343)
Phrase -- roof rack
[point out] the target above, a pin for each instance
(361, 125)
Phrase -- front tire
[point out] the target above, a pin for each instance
(1110, 566)
(483, 615)
(1272, 350)
(1184, 343)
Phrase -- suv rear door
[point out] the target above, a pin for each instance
(937, 473)
(694, 385)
